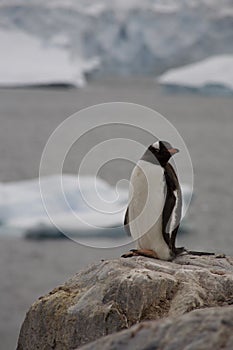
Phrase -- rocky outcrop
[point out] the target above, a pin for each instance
(204, 329)
(114, 295)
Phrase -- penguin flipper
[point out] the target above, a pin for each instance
(173, 207)
(126, 223)
(173, 240)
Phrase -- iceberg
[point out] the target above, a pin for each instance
(26, 61)
(87, 210)
(213, 75)
(75, 206)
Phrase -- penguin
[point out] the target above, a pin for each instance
(154, 212)
(155, 203)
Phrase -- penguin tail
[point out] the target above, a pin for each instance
(193, 252)
(179, 251)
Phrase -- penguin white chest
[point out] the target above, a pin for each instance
(147, 195)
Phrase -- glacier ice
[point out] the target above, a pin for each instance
(126, 37)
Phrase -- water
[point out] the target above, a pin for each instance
(28, 268)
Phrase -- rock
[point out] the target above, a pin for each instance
(204, 329)
(114, 295)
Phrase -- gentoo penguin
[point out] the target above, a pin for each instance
(154, 211)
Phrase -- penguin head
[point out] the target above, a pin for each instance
(163, 151)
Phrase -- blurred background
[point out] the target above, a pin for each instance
(60, 56)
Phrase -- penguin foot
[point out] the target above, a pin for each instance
(140, 252)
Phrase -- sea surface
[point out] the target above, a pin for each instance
(30, 268)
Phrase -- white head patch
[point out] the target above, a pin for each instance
(156, 145)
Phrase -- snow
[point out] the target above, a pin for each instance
(214, 71)
(87, 208)
(26, 61)
(127, 37)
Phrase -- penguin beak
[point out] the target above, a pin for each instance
(173, 151)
